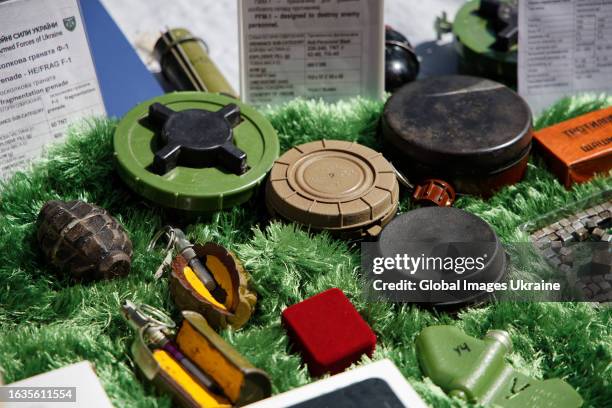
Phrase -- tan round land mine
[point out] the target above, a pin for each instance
(335, 185)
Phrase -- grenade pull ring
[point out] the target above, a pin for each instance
(139, 316)
(178, 241)
(168, 231)
(170, 236)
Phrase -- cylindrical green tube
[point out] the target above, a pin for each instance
(186, 64)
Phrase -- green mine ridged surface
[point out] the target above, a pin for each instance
(191, 189)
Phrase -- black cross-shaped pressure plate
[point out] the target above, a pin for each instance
(196, 138)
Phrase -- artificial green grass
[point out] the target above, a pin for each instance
(47, 322)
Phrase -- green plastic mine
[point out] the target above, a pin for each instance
(476, 371)
(475, 45)
(228, 176)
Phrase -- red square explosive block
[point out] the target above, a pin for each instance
(329, 332)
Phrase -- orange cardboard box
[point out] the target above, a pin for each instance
(577, 149)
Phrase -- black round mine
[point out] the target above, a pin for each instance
(471, 132)
(433, 235)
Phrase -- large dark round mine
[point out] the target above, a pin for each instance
(450, 245)
(471, 132)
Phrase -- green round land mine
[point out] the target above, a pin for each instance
(194, 189)
(473, 32)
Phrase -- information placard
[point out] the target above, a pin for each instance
(328, 49)
(565, 49)
(47, 77)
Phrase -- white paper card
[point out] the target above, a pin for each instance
(89, 392)
(565, 49)
(384, 370)
(329, 49)
(47, 77)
